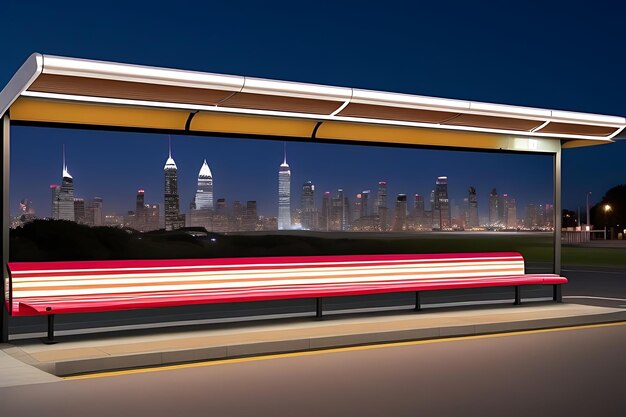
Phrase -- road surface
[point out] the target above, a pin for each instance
(567, 372)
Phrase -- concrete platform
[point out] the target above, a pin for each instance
(87, 353)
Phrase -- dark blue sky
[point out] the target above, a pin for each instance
(562, 55)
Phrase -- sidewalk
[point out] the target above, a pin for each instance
(152, 347)
(14, 371)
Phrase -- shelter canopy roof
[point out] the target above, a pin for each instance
(54, 90)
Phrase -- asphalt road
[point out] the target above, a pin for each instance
(572, 372)
(594, 286)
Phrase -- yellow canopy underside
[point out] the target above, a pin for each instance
(77, 113)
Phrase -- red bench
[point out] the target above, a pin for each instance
(50, 288)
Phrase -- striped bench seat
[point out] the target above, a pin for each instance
(48, 288)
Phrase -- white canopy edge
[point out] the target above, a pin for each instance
(38, 64)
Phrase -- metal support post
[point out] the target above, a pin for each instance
(556, 293)
(6, 287)
(318, 308)
(518, 295)
(50, 339)
(557, 212)
(418, 304)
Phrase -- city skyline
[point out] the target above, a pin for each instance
(204, 193)
(255, 185)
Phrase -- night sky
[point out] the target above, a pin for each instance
(544, 54)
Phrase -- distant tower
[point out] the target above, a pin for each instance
(55, 189)
(65, 195)
(399, 220)
(140, 210)
(418, 211)
(307, 204)
(503, 204)
(204, 194)
(365, 196)
(472, 209)
(339, 212)
(95, 208)
(511, 214)
(79, 210)
(381, 197)
(494, 220)
(250, 216)
(284, 195)
(442, 204)
(172, 209)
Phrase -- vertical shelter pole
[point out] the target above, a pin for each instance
(557, 212)
(6, 221)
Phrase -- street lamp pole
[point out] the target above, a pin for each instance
(588, 212)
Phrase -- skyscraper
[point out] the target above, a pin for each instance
(55, 191)
(93, 212)
(153, 217)
(220, 219)
(251, 216)
(340, 212)
(511, 214)
(365, 196)
(399, 219)
(325, 215)
(356, 208)
(442, 204)
(381, 197)
(307, 204)
(532, 217)
(472, 209)
(419, 213)
(503, 203)
(238, 214)
(140, 211)
(494, 220)
(173, 219)
(221, 208)
(204, 193)
(63, 196)
(79, 210)
(549, 215)
(284, 195)
(434, 213)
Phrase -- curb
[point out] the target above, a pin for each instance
(172, 357)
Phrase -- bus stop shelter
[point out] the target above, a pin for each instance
(67, 92)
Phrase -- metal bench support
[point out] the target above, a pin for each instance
(518, 295)
(556, 293)
(50, 339)
(318, 308)
(418, 304)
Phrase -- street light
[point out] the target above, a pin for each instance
(607, 208)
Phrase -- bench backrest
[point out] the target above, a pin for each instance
(41, 280)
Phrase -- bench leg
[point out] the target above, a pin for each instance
(418, 303)
(518, 295)
(50, 339)
(556, 293)
(318, 308)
